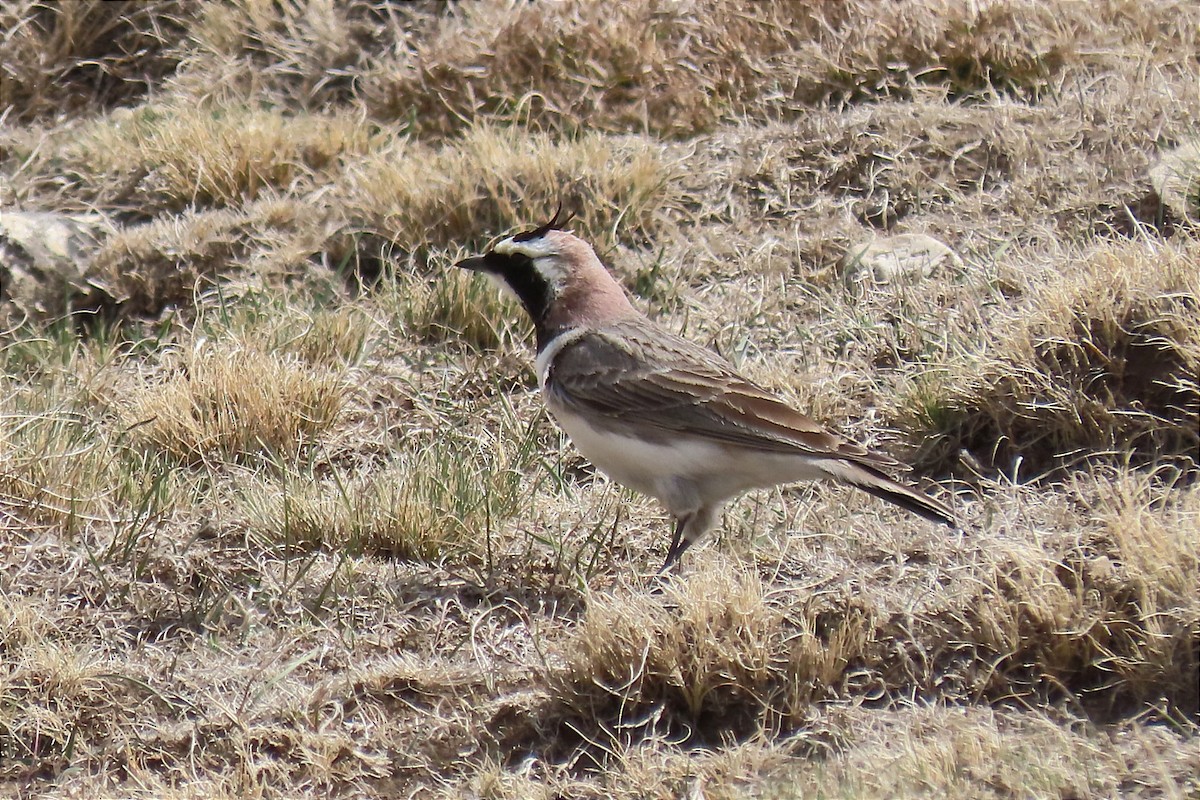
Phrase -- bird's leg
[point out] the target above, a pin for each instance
(678, 544)
(689, 529)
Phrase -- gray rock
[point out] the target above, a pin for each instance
(44, 260)
(903, 257)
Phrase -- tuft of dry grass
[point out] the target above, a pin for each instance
(175, 158)
(145, 269)
(1103, 361)
(326, 338)
(445, 502)
(60, 58)
(309, 52)
(1086, 621)
(53, 688)
(1176, 179)
(460, 307)
(237, 404)
(711, 654)
(491, 177)
(53, 468)
(290, 324)
(62, 466)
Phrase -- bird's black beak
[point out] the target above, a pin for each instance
(475, 263)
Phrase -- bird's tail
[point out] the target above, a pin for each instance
(873, 481)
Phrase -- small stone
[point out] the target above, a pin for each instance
(44, 259)
(905, 256)
(1176, 179)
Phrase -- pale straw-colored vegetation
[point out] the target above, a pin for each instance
(282, 516)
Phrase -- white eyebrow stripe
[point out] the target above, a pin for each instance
(506, 247)
(533, 248)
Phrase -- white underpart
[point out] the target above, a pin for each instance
(659, 470)
(685, 472)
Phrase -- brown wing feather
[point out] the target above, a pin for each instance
(669, 384)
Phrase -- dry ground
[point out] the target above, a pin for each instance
(281, 514)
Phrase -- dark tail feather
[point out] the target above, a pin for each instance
(876, 483)
(915, 502)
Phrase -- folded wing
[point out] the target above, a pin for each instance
(674, 386)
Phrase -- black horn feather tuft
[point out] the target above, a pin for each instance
(555, 224)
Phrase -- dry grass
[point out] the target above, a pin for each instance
(719, 653)
(420, 197)
(680, 69)
(282, 515)
(1101, 363)
(62, 461)
(170, 158)
(235, 404)
(444, 501)
(1176, 179)
(55, 468)
(66, 58)
(910, 752)
(166, 263)
(462, 307)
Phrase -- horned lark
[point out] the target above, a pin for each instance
(656, 412)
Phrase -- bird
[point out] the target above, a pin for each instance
(658, 413)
